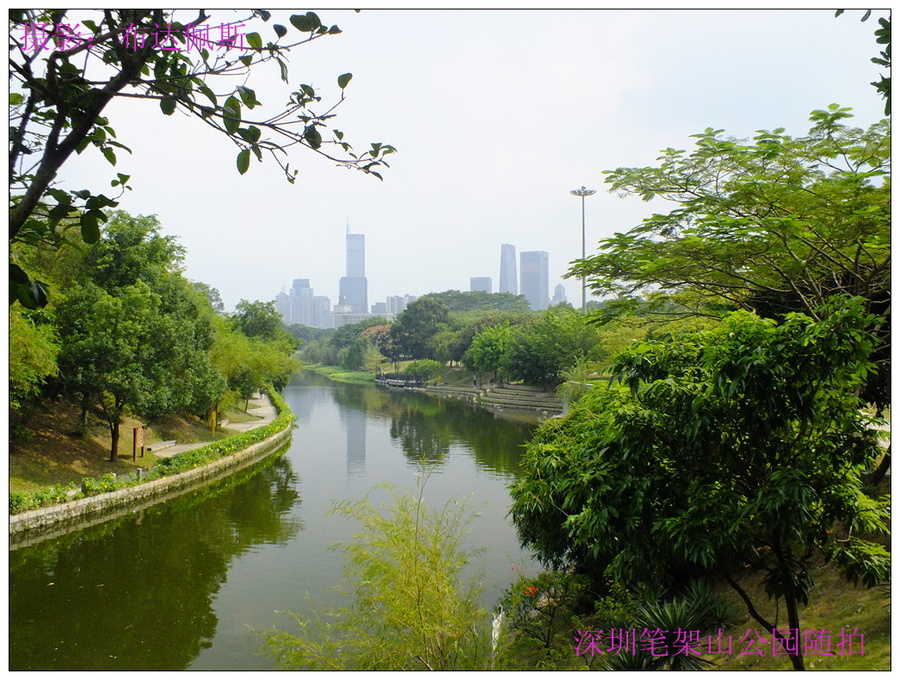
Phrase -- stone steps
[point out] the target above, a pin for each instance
(522, 397)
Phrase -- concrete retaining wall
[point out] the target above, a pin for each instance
(40, 524)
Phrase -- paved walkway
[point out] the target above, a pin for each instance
(263, 415)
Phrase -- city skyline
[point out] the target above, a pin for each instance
(458, 184)
(302, 306)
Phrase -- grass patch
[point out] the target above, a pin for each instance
(22, 499)
(339, 374)
(49, 451)
(234, 414)
(833, 604)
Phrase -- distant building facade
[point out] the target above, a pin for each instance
(559, 295)
(353, 287)
(303, 307)
(535, 276)
(508, 269)
(480, 284)
(398, 303)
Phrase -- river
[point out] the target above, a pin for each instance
(188, 584)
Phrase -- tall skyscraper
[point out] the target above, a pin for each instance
(535, 269)
(508, 269)
(356, 256)
(354, 287)
(480, 284)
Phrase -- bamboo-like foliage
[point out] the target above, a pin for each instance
(410, 607)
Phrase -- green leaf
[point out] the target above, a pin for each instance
(110, 155)
(167, 104)
(300, 22)
(284, 71)
(17, 274)
(31, 295)
(334, 30)
(209, 93)
(264, 14)
(313, 19)
(308, 91)
(90, 226)
(248, 96)
(243, 161)
(15, 98)
(249, 134)
(231, 113)
(280, 30)
(254, 40)
(344, 80)
(312, 136)
(246, 60)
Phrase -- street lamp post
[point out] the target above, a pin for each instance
(583, 192)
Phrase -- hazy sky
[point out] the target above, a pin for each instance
(496, 116)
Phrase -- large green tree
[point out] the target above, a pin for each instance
(67, 66)
(539, 352)
(775, 224)
(107, 355)
(736, 451)
(488, 349)
(250, 362)
(413, 331)
(135, 335)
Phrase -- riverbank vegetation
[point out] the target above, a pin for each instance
(75, 484)
(749, 452)
(739, 436)
(125, 338)
(412, 603)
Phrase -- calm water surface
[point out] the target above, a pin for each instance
(183, 585)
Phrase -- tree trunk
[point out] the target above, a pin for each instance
(882, 468)
(114, 447)
(794, 625)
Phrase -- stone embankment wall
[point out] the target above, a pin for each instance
(499, 397)
(42, 523)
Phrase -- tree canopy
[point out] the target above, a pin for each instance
(134, 333)
(734, 450)
(416, 326)
(775, 224)
(459, 301)
(770, 224)
(67, 66)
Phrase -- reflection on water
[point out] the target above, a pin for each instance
(138, 592)
(183, 584)
(355, 424)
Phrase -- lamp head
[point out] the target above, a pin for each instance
(583, 191)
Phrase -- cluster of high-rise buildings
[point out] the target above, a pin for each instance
(300, 305)
(533, 281)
